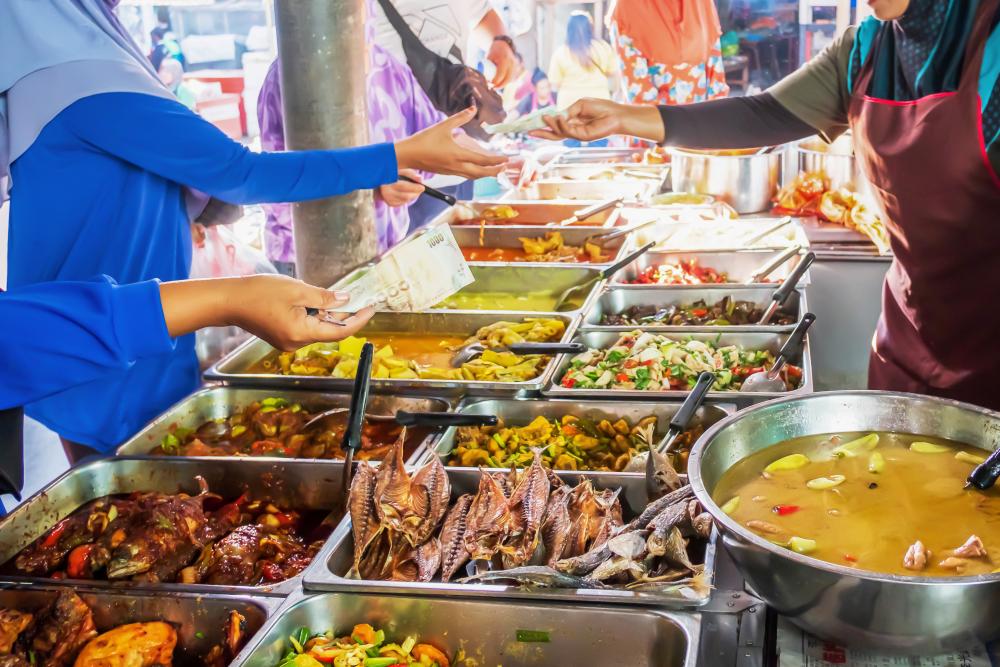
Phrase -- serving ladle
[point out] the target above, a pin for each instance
(770, 380)
(410, 419)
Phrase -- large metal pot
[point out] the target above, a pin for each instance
(744, 180)
(836, 160)
(925, 615)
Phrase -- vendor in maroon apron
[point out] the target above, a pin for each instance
(927, 161)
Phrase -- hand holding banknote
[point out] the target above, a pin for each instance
(444, 149)
(415, 275)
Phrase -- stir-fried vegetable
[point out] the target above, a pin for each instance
(364, 647)
(648, 362)
(568, 443)
(724, 313)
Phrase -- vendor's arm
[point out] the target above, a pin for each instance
(811, 100)
(60, 335)
(164, 137)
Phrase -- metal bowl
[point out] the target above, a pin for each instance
(918, 615)
(744, 180)
(835, 160)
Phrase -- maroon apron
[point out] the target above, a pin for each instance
(939, 333)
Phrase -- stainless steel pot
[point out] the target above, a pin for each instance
(836, 160)
(746, 181)
(925, 615)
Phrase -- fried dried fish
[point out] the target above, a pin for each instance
(526, 512)
(453, 551)
(428, 559)
(431, 495)
(537, 575)
(555, 526)
(393, 503)
(487, 519)
(365, 523)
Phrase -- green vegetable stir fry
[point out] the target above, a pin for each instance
(364, 647)
(641, 361)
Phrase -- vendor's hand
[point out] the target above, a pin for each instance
(505, 60)
(401, 192)
(274, 308)
(593, 119)
(444, 149)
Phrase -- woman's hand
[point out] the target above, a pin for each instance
(592, 119)
(401, 192)
(444, 149)
(269, 306)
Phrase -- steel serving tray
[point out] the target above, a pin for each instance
(614, 300)
(545, 281)
(599, 155)
(522, 412)
(510, 237)
(738, 266)
(635, 190)
(198, 619)
(235, 368)
(529, 213)
(676, 231)
(302, 484)
(753, 341)
(492, 632)
(219, 402)
(327, 571)
(656, 173)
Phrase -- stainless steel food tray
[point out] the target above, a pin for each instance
(234, 368)
(529, 213)
(299, 484)
(602, 155)
(738, 265)
(327, 570)
(198, 619)
(491, 632)
(753, 341)
(635, 190)
(509, 237)
(586, 170)
(220, 402)
(615, 299)
(680, 230)
(522, 412)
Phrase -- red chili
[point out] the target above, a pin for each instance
(77, 561)
(621, 377)
(699, 312)
(850, 559)
(630, 363)
(785, 510)
(284, 519)
(568, 382)
(649, 363)
(793, 371)
(52, 539)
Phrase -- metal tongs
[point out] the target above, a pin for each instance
(770, 380)
(761, 274)
(678, 424)
(356, 416)
(782, 293)
(585, 213)
(756, 238)
(603, 239)
(473, 350)
(602, 275)
(432, 192)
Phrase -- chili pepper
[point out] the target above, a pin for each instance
(699, 312)
(630, 363)
(793, 371)
(850, 559)
(77, 561)
(785, 510)
(648, 364)
(621, 377)
(52, 539)
(568, 382)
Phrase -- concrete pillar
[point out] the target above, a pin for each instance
(324, 63)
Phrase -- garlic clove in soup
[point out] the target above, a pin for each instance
(790, 462)
(822, 483)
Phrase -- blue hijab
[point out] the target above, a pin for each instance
(53, 53)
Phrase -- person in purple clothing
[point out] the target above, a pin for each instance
(397, 108)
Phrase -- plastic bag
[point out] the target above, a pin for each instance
(218, 253)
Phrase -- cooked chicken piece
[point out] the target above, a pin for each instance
(953, 563)
(916, 556)
(973, 548)
(132, 645)
(12, 624)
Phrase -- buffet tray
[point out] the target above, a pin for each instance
(655, 173)
(492, 632)
(198, 619)
(530, 213)
(738, 265)
(219, 402)
(327, 571)
(233, 369)
(305, 484)
(598, 156)
(755, 341)
(509, 237)
(676, 232)
(616, 299)
(634, 190)
(522, 412)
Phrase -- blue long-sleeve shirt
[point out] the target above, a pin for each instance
(61, 335)
(100, 192)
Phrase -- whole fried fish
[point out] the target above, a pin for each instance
(393, 503)
(453, 550)
(365, 523)
(487, 519)
(428, 559)
(556, 525)
(527, 511)
(662, 525)
(431, 494)
(536, 575)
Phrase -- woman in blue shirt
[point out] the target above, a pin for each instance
(102, 163)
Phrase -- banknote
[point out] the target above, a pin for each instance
(525, 123)
(413, 276)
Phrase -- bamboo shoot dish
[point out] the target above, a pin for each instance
(526, 526)
(363, 646)
(158, 537)
(64, 633)
(273, 427)
(548, 248)
(885, 502)
(426, 357)
(566, 443)
(642, 361)
(724, 313)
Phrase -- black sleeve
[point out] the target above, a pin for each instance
(733, 122)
